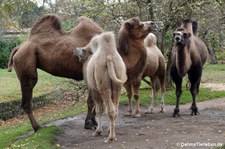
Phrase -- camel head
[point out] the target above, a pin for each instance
(181, 36)
(82, 53)
(133, 29)
(152, 26)
(138, 29)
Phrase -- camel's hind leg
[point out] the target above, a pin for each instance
(154, 92)
(96, 97)
(112, 114)
(116, 97)
(163, 89)
(99, 110)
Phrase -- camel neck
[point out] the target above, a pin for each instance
(183, 61)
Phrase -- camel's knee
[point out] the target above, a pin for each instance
(193, 91)
(112, 115)
(33, 82)
(27, 106)
(129, 95)
(136, 97)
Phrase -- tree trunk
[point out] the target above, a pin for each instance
(169, 62)
(212, 55)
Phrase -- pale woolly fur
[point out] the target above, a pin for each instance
(155, 69)
(105, 74)
(105, 50)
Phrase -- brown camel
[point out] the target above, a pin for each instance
(105, 74)
(189, 54)
(50, 48)
(134, 53)
(155, 69)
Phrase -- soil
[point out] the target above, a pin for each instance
(152, 131)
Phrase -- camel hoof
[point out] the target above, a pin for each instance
(128, 113)
(176, 112)
(176, 115)
(97, 133)
(90, 125)
(149, 112)
(136, 115)
(38, 128)
(194, 111)
(110, 140)
(162, 111)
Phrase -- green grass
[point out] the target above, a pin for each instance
(10, 87)
(211, 74)
(170, 97)
(42, 139)
(10, 90)
(214, 73)
(9, 133)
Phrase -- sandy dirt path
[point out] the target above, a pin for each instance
(153, 131)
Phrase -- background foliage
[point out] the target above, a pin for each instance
(109, 14)
(6, 44)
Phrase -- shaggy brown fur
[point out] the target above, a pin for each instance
(189, 56)
(133, 51)
(155, 69)
(105, 74)
(50, 49)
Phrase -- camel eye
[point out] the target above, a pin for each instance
(141, 26)
(185, 35)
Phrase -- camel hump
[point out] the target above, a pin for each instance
(108, 38)
(194, 25)
(150, 40)
(47, 22)
(84, 19)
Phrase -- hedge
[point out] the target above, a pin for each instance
(13, 108)
(6, 46)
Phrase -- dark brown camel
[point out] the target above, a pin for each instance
(189, 54)
(51, 49)
(133, 51)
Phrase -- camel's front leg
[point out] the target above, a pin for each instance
(136, 87)
(128, 87)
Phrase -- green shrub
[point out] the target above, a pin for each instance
(6, 45)
(220, 55)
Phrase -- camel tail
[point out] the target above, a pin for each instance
(112, 73)
(10, 63)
